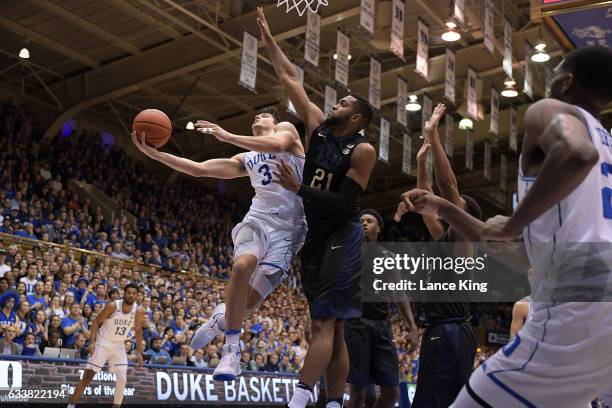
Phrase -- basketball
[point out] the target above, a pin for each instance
(155, 124)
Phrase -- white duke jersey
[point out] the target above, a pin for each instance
(271, 197)
(118, 326)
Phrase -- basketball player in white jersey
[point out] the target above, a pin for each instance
(272, 232)
(562, 357)
(522, 310)
(109, 331)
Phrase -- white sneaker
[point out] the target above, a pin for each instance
(209, 330)
(229, 366)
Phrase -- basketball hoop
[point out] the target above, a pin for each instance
(302, 5)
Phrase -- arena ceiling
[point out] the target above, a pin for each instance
(105, 61)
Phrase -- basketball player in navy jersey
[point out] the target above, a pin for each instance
(562, 356)
(337, 169)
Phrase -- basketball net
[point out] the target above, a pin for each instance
(302, 5)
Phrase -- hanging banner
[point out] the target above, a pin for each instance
(507, 64)
(397, 28)
(494, 117)
(528, 87)
(449, 83)
(472, 95)
(383, 148)
(513, 129)
(313, 37)
(366, 16)
(489, 26)
(343, 45)
(248, 62)
(402, 91)
(422, 58)
(487, 160)
(449, 133)
(300, 72)
(427, 111)
(469, 149)
(331, 97)
(503, 173)
(429, 166)
(459, 12)
(374, 91)
(407, 154)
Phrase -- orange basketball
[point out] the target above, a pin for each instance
(155, 124)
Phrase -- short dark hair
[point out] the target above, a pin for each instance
(271, 109)
(375, 214)
(363, 107)
(591, 67)
(130, 285)
(471, 206)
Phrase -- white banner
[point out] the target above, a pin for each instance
(313, 37)
(300, 72)
(331, 97)
(422, 58)
(469, 149)
(449, 133)
(489, 26)
(459, 12)
(407, 154)
(507, 48)
(383, 147)
(528, 85)
(248, 63)
(494, 117)
(487, 160)
(397, 28)
(343, 46)
(449, 83)
(513, 129)
(374, 91)
(472, 94)
(426, 112)
(402, 91)
(503, 172)
(366, 16)
(430, 169)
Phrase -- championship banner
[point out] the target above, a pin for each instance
(449, 133)
(402, 92)
(528, 84)
(313, 38)
(459, 12)
(487, 160)
(426, 112)
(503, 173)
(513, 129)
(343, 45)
(374, 91)
(507, 64)
(494, 117)
(366, 16)
(407, 154)
(397, 28)
(489, 26)
(383, 148)
(422, 58)
(300, 72)
(472, 95)
(449, 83)
(331, 97)
(248, 62)
(469, 149)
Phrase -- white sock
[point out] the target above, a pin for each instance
(333, 404)
(221, 323)
(300, 398)
(232, 337)
(71, 406)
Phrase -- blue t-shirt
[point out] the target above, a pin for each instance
(34, 299)
(69, 338)
(78, 294)
(93, 300)
(9, 320)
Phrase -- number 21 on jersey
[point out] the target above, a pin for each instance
(321, 179)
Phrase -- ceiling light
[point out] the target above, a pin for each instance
(413, 105)
(24, 53)
(349, 56)
(466, 123)
(540, 55)
(451, 35)
(509, 91)
(190, 126)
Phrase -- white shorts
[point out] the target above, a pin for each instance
(561, 358)
(274, 241)
(114, 353)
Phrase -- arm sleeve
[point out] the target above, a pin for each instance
(341, 202)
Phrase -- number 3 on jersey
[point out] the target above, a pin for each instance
(318, 179)
(606, 192)
(265, 171)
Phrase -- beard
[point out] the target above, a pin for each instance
(331, 120)
(127, 302)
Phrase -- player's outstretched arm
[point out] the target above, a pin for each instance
(138, 333)
(520, 310)
(284, 139)
(311, 114)
(434, 226)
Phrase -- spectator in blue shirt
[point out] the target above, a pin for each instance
(80, 290)
(156, 352)
(37, 299)
(99, 297)
(27, 231)
(73, 324)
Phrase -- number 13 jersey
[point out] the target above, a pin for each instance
(119, 325)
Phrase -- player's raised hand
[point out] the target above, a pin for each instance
(142, 145)
(217, 131)
(421, 201)
(262, 23)
(286, 178)
(432, 124)
(498, 229)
